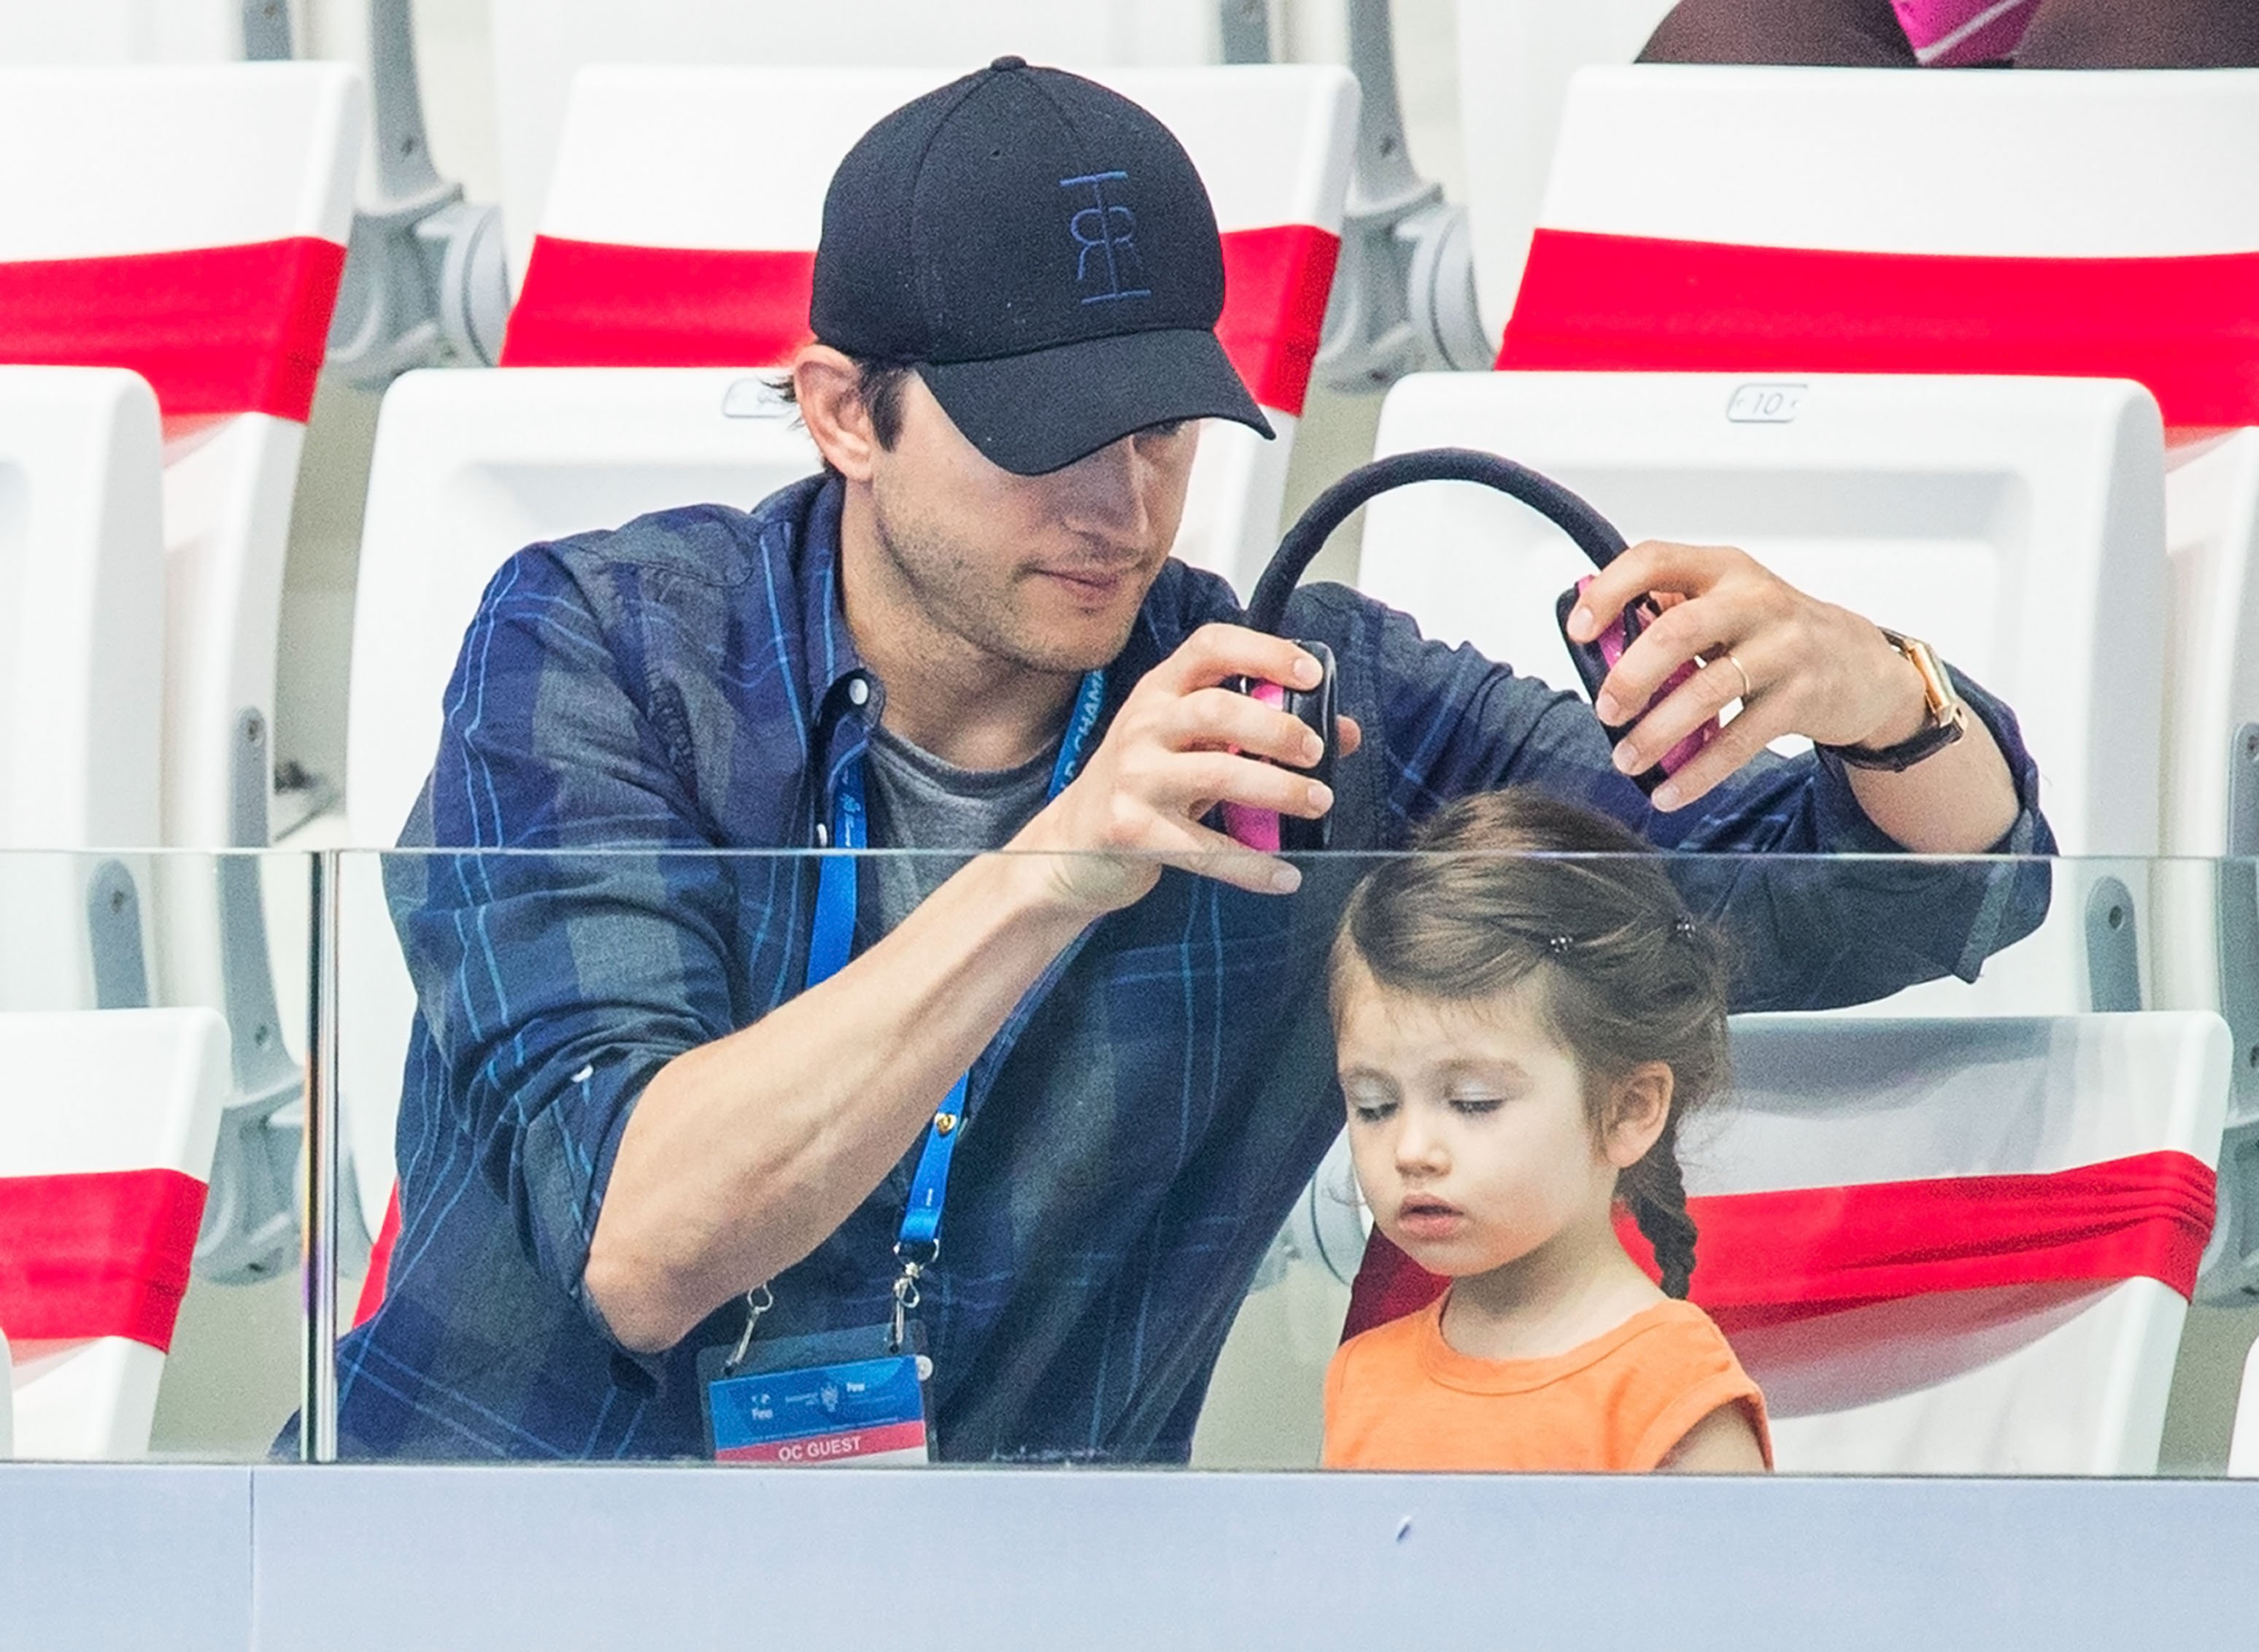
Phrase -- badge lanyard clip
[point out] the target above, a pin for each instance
(759, 1300)
(918, 1245)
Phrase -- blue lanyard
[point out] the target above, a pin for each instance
(834, 939)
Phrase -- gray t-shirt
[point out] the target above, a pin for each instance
(918, 802)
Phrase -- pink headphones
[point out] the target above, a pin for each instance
(1592, 533)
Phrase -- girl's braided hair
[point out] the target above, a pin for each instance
(1502, 891)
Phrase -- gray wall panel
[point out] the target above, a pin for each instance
(105, 1557)
(567, 1557)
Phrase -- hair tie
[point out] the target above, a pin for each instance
(1559, 944)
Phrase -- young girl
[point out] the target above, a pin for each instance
(1519, 1034)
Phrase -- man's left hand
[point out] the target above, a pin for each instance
(1805, 666)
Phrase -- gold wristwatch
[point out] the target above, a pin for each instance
(1946, 720)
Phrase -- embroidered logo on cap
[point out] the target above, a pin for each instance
(1106, 241)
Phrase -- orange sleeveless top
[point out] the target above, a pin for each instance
(1400, 1396)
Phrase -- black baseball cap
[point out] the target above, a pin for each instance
(1043, 251)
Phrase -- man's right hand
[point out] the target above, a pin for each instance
(1183, 743)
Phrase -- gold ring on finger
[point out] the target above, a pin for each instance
(1749, 688)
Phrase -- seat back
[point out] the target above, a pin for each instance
(1680, 231)
(2091, 224)
(1516, 59)
(670, 240)
(2031, 1381)
(107, 1124)
(2016, 524)
(2243, 1444)
(82, 647)
(468, 468)
(189, 223)
(123, 31)
(540, 44)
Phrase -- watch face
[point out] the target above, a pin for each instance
(1936, 688)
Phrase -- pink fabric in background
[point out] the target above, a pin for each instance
(1952, 33)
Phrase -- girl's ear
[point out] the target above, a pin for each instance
(1638, 1113)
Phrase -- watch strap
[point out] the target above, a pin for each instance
(1947, 716)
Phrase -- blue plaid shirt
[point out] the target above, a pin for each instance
(685, 685)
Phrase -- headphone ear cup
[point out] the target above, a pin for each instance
(1595, 660)
(1318, 710)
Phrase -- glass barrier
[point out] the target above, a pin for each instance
(153, 1020)
(1949, 1186)
(1968, 1189)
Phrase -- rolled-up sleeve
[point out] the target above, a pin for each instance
(1807, 933)
(554, 980)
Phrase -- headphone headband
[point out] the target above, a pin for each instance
(1593, 534)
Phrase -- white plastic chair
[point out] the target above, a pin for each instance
(2243, 1444)
(538, 46)
(82, 643)
(659, 159)
(2016, 524)
(121, 32)
(1973, 1382)
(189, 223)
(1724, 201)
(1515, 57)
(82, 1093)
(2045, 1379)
(118, 164)
(2106, 168)
(468, 468)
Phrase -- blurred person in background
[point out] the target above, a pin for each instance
(2059, 34)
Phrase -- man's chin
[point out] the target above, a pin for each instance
(1075, 642)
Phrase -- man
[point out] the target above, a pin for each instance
(635, 1128)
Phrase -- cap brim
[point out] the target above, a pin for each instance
(1038, 412)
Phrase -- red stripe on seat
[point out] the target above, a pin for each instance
(594, 304)
(1770, 1258)
(218, 329)
(597, 304)
(379, 1262)
(2188, 328)
(1276, 282)
(103, 1254)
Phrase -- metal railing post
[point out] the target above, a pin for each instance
(317, 1425)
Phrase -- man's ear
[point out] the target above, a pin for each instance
(828, 390)
(1637, 1111)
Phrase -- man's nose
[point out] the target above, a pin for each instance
(1106, 495)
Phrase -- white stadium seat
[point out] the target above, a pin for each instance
(107, 1124)
(1948, 1247)
(2062, 1379)
(2016, 524)
(469, 467)
(121, 32)
(1784, 222)
(189, 223)
(1515, 57)
(2243, 1445)
(672, 239)
(82, 647)
(539, 45)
